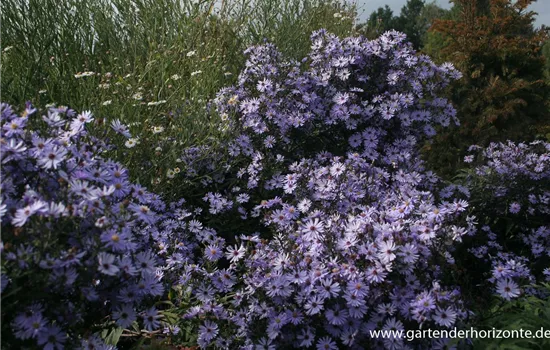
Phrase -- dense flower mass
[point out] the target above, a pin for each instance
(375, 98)
(330, 143)
(77, 238)
(317, 221)
(511, 184)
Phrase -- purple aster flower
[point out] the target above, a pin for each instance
(71, 258)
(295, 317)
(376, 274)
(52, 338)
(14, 127)
(195, 226)
(127, 266)
(235, 253)
(151, 319)
(341, 98)
(22, 215)
(313, 228)
(208, 331)
(171, 330)
(127, 294)
(55, 209)
(107, 264)
(326, 343)
(385, 309)
(500, 272)
(507, 289)
(143, 212)
(355, 140)
(51, 157)
(243, 198)
(29, 326)
(82, 188)
(393, 324)
(125, 315)
(409, 253)
(150, 285)
(213, 252)
(94, 342)
(4, 281)
(425, 303)
(269, 141)
(64, 276)
(117, 241)
(90, 293)
(305, 338)
(445, 317)
(54, 119)
(314, 305)
(328, 288)
(265, 344)
(77, 124)
(515, 207)
(386, 251)
(120, 128)
(145, 262)
(336, 316)
(468, 159)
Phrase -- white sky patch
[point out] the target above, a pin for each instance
(366, 7)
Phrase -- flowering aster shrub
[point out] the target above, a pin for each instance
(352, 237)
(316, 222)
(349, 253)
(78, 254)
(375, 98)
(510, 192)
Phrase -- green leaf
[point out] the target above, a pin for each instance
(112, 338)
(171, 317)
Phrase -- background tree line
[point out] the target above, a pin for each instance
(504, 93)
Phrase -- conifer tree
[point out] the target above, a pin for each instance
(408, 21)
(503, 94)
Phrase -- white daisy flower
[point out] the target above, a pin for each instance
(131, 143)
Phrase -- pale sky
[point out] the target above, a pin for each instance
(366, 7)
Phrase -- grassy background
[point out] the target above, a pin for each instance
(149, 63)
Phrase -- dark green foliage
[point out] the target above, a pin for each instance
(429, 13)
(433, 42)
(503, 94)
(409, 23)
(379, 21)
(546, 53)
(528, 314)
(415, 19)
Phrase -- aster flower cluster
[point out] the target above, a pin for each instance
(510, 186)
(316, 222)
(77, 244)
(325, 157)
(354, 248)
(375, 98)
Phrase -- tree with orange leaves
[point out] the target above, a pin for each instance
(503, 94)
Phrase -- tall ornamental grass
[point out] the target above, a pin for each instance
(153, 64)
